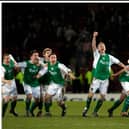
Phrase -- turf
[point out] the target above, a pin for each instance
(73, 119)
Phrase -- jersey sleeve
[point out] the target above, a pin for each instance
(95, 53)
(2, 72)
(114, 60)
(63, 68)
(43, 71)
(22, 64)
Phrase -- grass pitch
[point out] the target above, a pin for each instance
(72, 120)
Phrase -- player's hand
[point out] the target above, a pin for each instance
(114, 75)
(72, 77)
(9, 82)
(95, 34)
(127, 68)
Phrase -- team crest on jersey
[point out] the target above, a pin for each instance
(34, 66)
(52, 68)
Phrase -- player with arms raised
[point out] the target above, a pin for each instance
(101, 72)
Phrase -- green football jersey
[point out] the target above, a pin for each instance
(102, 69)
(9, 71)
(55, 74)
(29, 74)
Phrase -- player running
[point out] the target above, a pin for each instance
(101, 66)
(31, 83)
(44, 80)
(56, 71)
(124, 80)
(9, 90)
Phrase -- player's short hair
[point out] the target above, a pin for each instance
(101, 43)
(33, 51)
(46, 49)
(5, 54)
(52, 54)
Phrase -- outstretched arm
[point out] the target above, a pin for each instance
(95, 34)
(67, 71)
(121, 65)
(121, 71)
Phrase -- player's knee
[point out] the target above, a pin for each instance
(14, 98)
(102, 96)
(29, 96)
(90, 95)
(6, 99)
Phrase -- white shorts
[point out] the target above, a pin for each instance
(102, 85)
(125, 86)
(55, 90)
(35, 91)
(9, 90)
(44, 89)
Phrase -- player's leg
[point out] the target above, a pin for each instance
(51, 91)
(13, 105)
(48, 104)
(116, 104)
(98, 105)
(5, 104)
(13, 94)
(61, 103)
(125, 108)
(40, 105)
(47, 100)
(28, 92)
(94, 86)
(103, 90)
(36, 102)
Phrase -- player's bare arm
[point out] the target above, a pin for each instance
(6, 81)
(121, 71)
(95, 34)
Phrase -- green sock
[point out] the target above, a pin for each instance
(4, 108)
(40, 105)
(28, 102)
(50, 103)
(126, 104)
(33, 106)
(13, 105)
(88, 102)
(47, 106)
(115, 105)
(98, 105)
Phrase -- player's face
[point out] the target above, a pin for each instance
(35, 57)
(6, 60)
(101, 48)
(53, 59)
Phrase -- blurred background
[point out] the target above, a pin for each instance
(67, 28)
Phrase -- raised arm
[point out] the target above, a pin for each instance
(94, 47)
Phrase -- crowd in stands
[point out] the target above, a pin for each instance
(67, 29)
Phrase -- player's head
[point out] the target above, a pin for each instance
(101, 47)
(53, 58)
(47, 52)
(34, 56)
(6, 58)
(128, 61)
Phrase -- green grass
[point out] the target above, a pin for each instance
(73, 119)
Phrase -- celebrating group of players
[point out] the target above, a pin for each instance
(44, 78)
